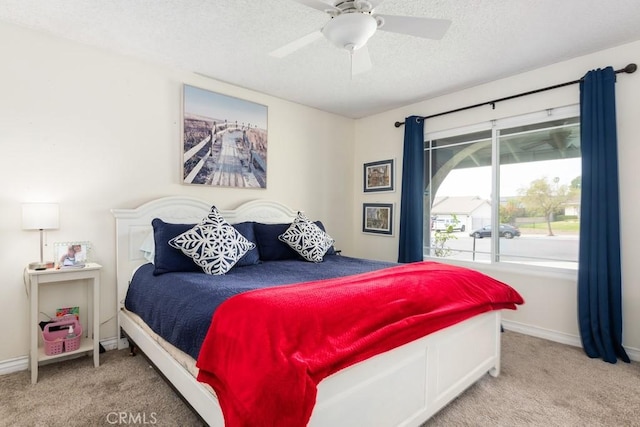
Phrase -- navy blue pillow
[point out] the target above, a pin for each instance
(168, 259)
(253, 256)
(271, 248)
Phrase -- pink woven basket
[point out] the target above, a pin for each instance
(56, 342)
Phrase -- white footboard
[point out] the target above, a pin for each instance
(406, 386)
(402, 387)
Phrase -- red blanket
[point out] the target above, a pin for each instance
(266, 350)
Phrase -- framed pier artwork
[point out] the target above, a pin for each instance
(224, 140)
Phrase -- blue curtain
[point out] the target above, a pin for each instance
(411, 204)
(599, 275)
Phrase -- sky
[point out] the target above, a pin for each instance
(215, 105)
(477, 181)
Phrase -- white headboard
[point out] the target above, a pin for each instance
(133, 226)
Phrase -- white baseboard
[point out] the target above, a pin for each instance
(546, 334)
(633, 353)
(561, 337)
(22, 363)
(14, 365)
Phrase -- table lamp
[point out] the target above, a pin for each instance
(40, 216)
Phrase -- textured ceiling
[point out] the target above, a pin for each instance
(229, 40)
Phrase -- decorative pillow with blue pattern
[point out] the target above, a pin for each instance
(213, 244)
(307, 239)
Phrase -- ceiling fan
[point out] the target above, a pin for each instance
(353, 22)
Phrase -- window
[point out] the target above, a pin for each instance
(520, 176)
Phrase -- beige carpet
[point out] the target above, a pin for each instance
(541, 384)
(74, 393)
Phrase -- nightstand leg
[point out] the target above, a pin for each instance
(96, 321)
(33, 354)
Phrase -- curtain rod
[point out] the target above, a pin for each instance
(631, 68)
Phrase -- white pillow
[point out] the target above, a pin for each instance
(306, 238)
(148, 248)
(213, 244)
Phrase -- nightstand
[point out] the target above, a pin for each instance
(90, 273)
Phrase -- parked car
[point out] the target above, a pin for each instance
(507, 231)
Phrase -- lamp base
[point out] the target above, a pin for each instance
(37, 265)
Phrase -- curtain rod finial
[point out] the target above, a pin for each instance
(631, 68)
(398, 124)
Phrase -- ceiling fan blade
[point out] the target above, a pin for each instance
(360, 61)
(318, 5)
(428, 28)
(289, 48)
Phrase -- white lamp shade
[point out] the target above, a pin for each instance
(40, 216)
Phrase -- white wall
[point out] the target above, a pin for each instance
(93, 130)
(551, 308)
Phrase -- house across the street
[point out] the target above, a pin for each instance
(463, 213)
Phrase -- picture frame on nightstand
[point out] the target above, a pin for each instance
(71, 254)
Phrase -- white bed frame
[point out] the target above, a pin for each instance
(402, 387)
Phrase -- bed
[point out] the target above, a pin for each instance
(402, 386)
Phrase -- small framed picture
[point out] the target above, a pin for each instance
(71, 254)
(378, 176)
(377, 218)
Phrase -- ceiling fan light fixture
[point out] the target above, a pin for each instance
(350, 31)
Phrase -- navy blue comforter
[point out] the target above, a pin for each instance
(179, 306)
